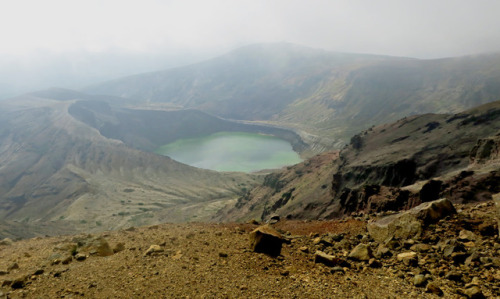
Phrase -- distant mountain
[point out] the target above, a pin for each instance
(326, 96)
(60, 174)
(388, 167)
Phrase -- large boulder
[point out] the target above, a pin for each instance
(410, 224)
(265, 239)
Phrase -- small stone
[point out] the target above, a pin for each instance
(454, 276)
(39, 272)
(13, 266)
(304, 249)
(274, 219)
(18, 283)
(408, 258)
(373, 263)
(408, 243)
(470, 244)
(67, 260)
(487, 229)
(119, 247)
(362, 252)
(459, 257)
(420, 280)
(421, 247)
(222, 254)
(153, 250)
(80, 257)
(474, 292)
(383, 252)
(329, 260)
(254, 222)
(466, 235)
(434, 289)
(471, 259)
(3, 272)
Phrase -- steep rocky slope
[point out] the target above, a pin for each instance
(326, 96)
(56, 171)
(388, 167)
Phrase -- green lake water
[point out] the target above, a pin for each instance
(232, 151)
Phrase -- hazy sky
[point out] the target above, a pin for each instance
(417, 28)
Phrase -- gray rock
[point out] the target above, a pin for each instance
(13, 266)
(420, 280)
(454, 276)
(153, 250)
(411, 223)
(80, 257)
(362, 252)
(433, 288)
(329, 260)
(373, 263)
(474, 292)
(67, 260)
(383, 252)
(421, 247)
(408, 258)
(467, 235)
(265, 239)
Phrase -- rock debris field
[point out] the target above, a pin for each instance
(450, 252)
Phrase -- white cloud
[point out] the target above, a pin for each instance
(408, 28)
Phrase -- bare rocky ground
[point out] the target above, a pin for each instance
(457, 257)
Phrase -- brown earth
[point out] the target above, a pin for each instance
(215, 261)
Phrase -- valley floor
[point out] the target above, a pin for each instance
(215, 261)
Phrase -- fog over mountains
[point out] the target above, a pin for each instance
(326, 94)
(82, 160)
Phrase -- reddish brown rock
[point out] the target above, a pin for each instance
(265, 239)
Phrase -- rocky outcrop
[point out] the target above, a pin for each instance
(486, 149)
(410, 223)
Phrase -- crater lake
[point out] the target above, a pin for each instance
(232, 151)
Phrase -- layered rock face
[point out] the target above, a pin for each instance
(486, 149)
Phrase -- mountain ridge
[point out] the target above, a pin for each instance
(330, 96)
